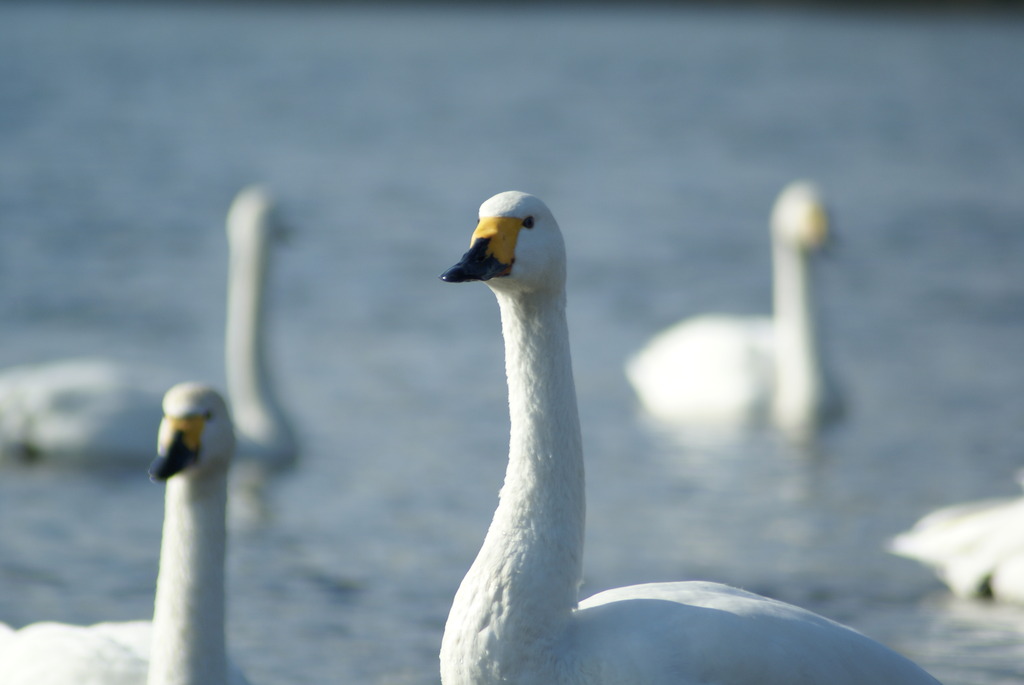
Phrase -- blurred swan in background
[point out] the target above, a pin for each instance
(87, 411)
(264, 432)
(516, 617)
(185, 641)
(729, 371)
(976, 548)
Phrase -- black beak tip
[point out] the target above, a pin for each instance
(172, 461)
(457, 274)
(159, 470)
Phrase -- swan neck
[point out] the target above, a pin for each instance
(542, 500)
(254, 405)
(798, 391)
(523, 585)
(188, 645)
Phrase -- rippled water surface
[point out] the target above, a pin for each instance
(659, 137)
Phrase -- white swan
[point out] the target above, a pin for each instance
(728, 371)
(87, 411)
(515, 618)
(264, 432)
(185, 642)
(976, 548)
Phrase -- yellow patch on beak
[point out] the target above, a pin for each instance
(190, 427)
(502, 231)
(817, 231)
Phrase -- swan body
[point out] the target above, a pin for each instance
(516, 617)
(88, 411)
(976, 548)
(726, 371)
(52, 653)
(184, 644)
(728, 357)
(77, 411)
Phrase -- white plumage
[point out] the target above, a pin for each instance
(88, 411)
(976, 548)
(185, 642)
(729, 371)
(78, 412)
(49, 653)
(515, 618)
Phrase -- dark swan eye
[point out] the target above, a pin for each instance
(208, 415)
(528, 222)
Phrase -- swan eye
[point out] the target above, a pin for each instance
(208, 415)
(528, 222)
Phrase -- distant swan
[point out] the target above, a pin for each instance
(91, 411)
(730, 371)
(515, 618)
(976, 548)
(185, 642)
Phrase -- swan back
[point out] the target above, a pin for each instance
(50, 653)
(975, 548)
(77, 411)
(714, 370)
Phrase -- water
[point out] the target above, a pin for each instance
(659, 137)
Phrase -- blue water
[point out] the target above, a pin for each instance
(659, 137)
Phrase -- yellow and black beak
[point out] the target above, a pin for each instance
(492, 251)
(177, 446)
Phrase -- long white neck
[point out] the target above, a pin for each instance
(188, 620)
(523, 585)
(258, 418)
(799, 386)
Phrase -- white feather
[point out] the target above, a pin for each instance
(976, 548)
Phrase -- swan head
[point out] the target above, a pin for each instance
(800, 218)
(253, 215)
(196, 434)
(516, 246)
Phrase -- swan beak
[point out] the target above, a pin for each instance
(177, 446)
(491, 251)
(818, 234)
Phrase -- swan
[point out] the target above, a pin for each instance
(730, 371)
(88, 411)
(264, 432)
(184, 644)
(516, 618)
(976, 548)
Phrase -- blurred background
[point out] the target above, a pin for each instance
(659, 135)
